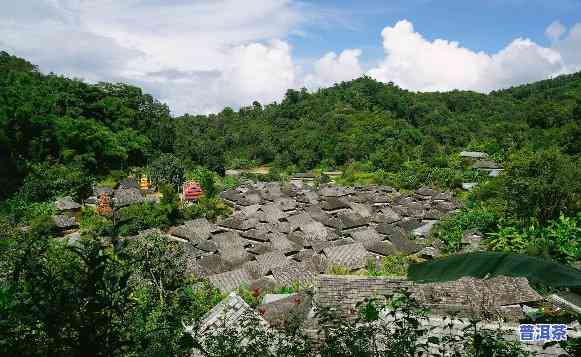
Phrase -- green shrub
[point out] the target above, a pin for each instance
(252, 297)
(132, 300)
(47, 182)
(451, 229)
(394, 265)
(134, 218)
(166, 169)
(414, 174)
(170, 202)
(23, 212)
(230, 182)
(559, 239)
(540, 185)
(507, 239)
(206, 207)
(564, 238)
(206, 178)
(7, 231)
(92, 224)
(338, 270)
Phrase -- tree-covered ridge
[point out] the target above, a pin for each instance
(97, 128)
(103, 127)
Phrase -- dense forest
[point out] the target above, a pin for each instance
(62, 137)
(51, 120)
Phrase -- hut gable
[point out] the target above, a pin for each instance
(229, 313)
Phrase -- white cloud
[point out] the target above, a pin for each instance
(555, 30)
(331, 69)
(225, 51)
(415, 63)
(570, 49)
(256, 71)
(202, 55)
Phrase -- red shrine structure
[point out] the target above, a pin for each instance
(191, 191)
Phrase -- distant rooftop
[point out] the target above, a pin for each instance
(474, 154)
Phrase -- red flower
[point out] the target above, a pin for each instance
(256, 292)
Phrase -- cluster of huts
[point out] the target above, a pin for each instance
(293, 234)
(498, 304)
(279, 235)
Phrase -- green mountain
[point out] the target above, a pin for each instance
(103, 127)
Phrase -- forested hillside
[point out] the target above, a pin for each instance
(103, 127)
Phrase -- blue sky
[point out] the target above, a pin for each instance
(202, 55)
(479, 25)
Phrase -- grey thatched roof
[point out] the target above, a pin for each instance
(194, 231)
(286, 203)
(66, 204)
(125, 197)
(207, 245)
(351, 256)
(235, 256)
(271, 260)
(230, 280)
(249, 198)
(303, 255)
(383, 248)
(333, 203)
(278, 308)
(485, 164)
(284, 229)
(293, 272)
(368, 236)
(332, 191)
(425, 229)
(228, 239)
(106, 190)
(316, 231)
(473, 154)
(299, 220)
(280, 242)
(408, 224)
(229, 313)
(469, 297)
(64, 222)
(351, 219)
(213, 264)
(239, 222)
(404, 245)
(128, 183)
(386, 215)
(362, 209)
(426, 191)
(272, 213)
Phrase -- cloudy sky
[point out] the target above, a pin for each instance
(201, 55)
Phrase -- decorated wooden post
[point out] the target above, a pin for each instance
(104, 205)
(144, 183)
